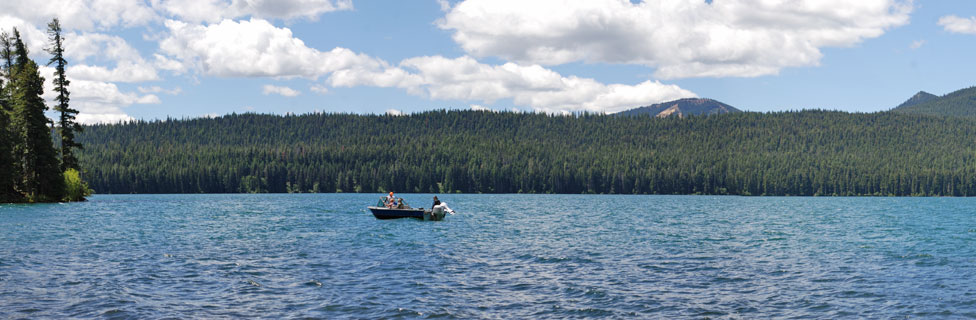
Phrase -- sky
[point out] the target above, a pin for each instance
(196, 58)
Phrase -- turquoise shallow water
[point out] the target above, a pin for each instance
(501, 256)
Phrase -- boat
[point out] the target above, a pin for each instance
(383, 213)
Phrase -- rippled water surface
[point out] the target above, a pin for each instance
(501, 256)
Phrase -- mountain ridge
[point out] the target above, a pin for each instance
(682, 108)
(959, 103)
(918, 98)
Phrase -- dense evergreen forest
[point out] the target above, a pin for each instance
(955, 104)
(783, 153)
(32, 168)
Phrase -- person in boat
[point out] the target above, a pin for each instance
(436, 203)
(399, 204)
(390, 200)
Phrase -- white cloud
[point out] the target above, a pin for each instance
(394, 112)
(283, 91)
(81, 14)
(445, 6)
(164, 63)
(124, 71)
(917, 44)
(956, 24)
(319, 89)
(97, 101)
(92, 118)
(217, 10)
(253, 48)
(158, 89)
(464, 78)
(681, 38)
(84, 51)
(103, 101)
(476, 107)
(34, 37)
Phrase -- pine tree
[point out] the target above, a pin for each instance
(7, 54)
(7, 168)
(42, 178)
(66, 122)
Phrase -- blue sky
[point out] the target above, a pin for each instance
(188, 58)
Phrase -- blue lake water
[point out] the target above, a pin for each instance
(501, 256)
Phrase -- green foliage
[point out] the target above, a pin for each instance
(75, 188)
(918, 98)
(67, 126)
(961, 103)
(30, 170)
(785, 153)
(41, 178)
(8, 171)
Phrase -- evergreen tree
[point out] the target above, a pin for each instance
(66, 122)
(7, 54)
(42, 179)
(7, 169)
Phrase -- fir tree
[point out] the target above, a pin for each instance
(7, 169)
(42, 179)
(7, 54)
(66, 122)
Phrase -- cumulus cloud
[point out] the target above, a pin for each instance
(97, 101)
(34, 37)
(158, 89)
(319, 89)
(85, 51)
(124, 71)
(163, 63)
(81, 14)
(464, 78)
(253, 48)
(217, 10)
(956, 24)
(103, 101)
(283, 91)
(681, 38)
(223, 47)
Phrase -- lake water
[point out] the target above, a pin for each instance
(501, 256)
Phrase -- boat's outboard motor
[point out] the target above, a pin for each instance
(441, 208)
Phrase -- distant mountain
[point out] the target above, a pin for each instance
(918, 98)
(681, 108)
(961, 103)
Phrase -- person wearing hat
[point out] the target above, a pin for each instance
(390, 200)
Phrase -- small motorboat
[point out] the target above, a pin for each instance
(405, 211)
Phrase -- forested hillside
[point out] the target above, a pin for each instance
(918, 98)
(788, 153)
(960, 103)
(681, 108)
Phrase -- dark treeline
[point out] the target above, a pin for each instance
(787, 153)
